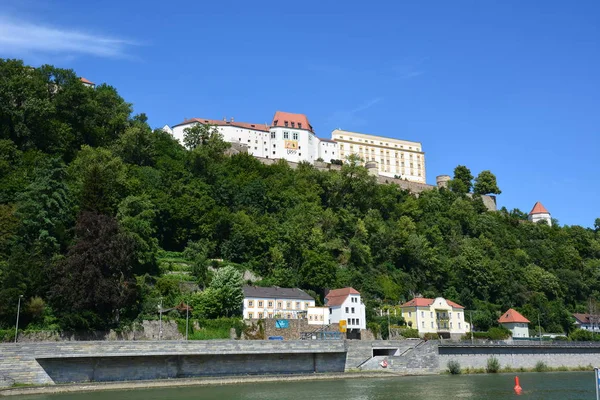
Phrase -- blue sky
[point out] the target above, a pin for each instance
(509, 86)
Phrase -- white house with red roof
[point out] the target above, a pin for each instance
(516, 323)
(540, 213)
(441, 316)
(346, 305)
(87, 82)
(290, 136)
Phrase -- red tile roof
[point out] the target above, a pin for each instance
(83, 80)
(538, 208)
(297, 121)
(337, 297)
(582, 318)
(424, 302)
(219, 122)
(512, 316)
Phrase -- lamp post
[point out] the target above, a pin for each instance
(187, 318)
(160, 319)
(471, 323)
(17, 324)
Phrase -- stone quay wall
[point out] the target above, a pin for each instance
(521, 356)
(61, 362)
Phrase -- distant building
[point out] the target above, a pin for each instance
(394, 157)
(587, 322)
(289, 136)
(346, 305)
(539, 213)
(276, 302)
(516, 323)
(441, 316)
(318, 316)
(87, 82)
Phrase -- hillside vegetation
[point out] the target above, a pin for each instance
(101, 217)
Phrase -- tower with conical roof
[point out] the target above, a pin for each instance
(539, 213)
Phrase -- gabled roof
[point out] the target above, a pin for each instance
(512, 316)
(424, 302)
(294, 121)
(538, 208)
(337, 297)
(276, 293)
(83, 80)
(220, 122)
(582, 318)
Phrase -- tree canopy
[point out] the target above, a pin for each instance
(101, 217)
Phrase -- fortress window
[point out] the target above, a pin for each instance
(295, 135)
(286, 135)
(273, 135)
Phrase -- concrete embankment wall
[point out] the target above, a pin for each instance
(521, 356)
(48, 363)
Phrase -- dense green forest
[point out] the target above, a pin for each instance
(101, 217)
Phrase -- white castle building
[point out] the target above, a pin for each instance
(291, 137)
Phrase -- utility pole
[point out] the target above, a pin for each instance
(18, 312)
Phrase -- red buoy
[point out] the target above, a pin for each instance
(518, 389)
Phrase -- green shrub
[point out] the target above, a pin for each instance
(540, 366)
(561, 338)
(454, 367)
(493, 365)
(374, 328)
(410, 333)
(498, 333)
(431, 336)
(7, 335)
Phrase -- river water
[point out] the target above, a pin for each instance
(543, 386)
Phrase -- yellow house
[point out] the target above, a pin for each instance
(441, 316)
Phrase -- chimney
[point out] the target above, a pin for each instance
(231, 119)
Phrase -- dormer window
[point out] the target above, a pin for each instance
(275, 123)
(299, 125)
(293, 124)
(286, 124)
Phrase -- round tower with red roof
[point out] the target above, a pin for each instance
(539, 213)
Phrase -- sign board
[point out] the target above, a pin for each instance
(282, 324)
(291, 145)
(343, 326)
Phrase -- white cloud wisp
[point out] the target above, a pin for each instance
(19, 38)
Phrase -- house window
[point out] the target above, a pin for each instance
(310, 317)
(273, 135)
(250, 315)
(423, 324)
(431, 314)
(260, 303)
(432, 324)
(299, 125)
(346, 310)
(293, 123)
(352, 310)
(459, 325)
(286, 124)
(279, 304)
(298, 305)
(288, 305)
(286, 135)
(250, 303)
(270, 304)
(409, 314)
(450, 325)
(260, 315)
(273, 151)
(330, 311)
(270, 315)
(306, 305)
(357, 321)
(422, 314)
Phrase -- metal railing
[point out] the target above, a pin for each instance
(530, 343)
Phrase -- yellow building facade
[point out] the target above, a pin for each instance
(438, 315)
(394, 157)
